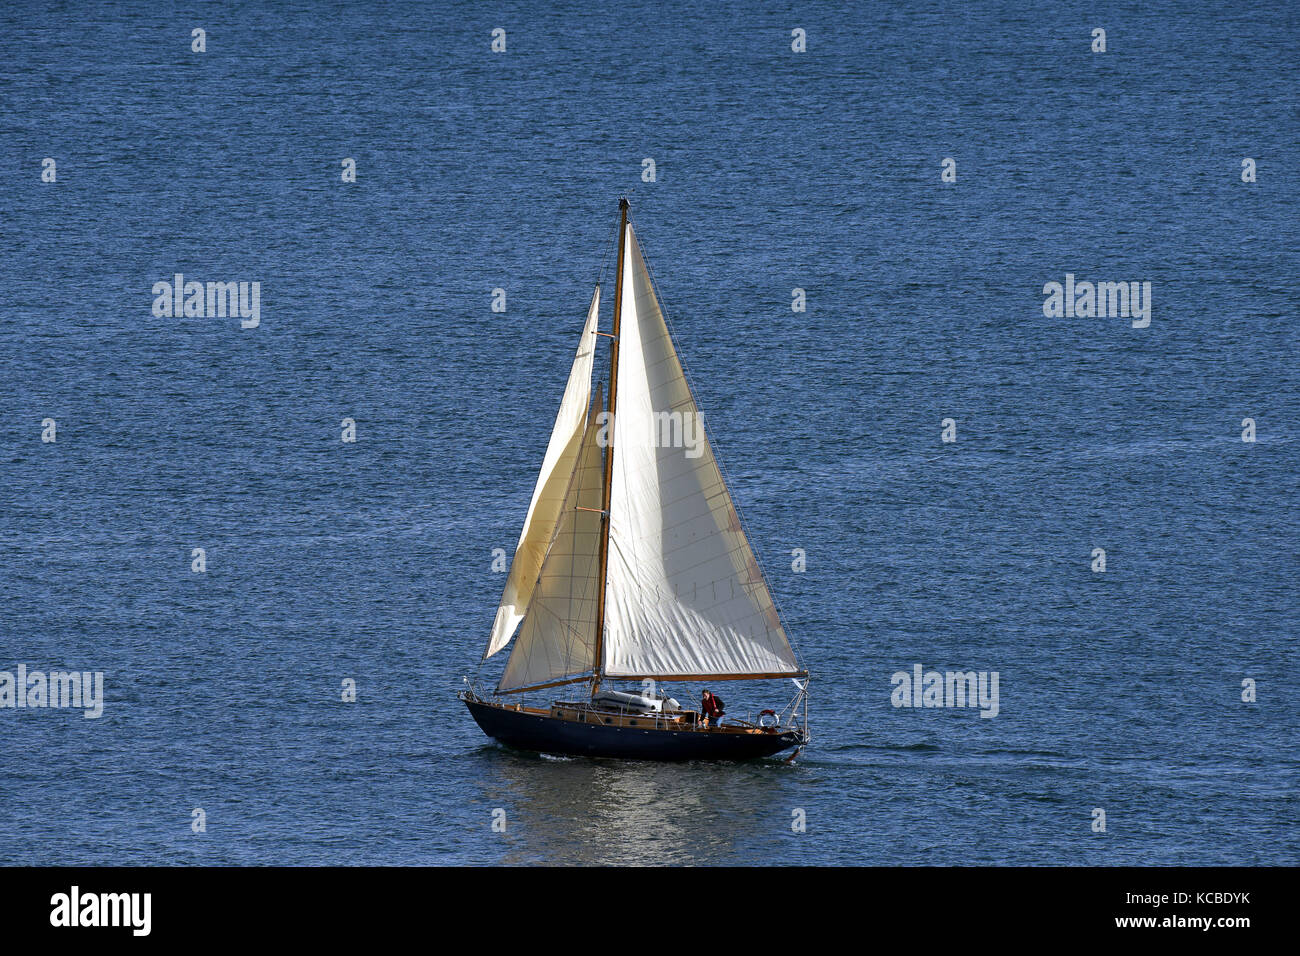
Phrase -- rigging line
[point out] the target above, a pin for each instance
(604, 259)
(717, 459)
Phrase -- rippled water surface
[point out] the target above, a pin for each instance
(774, 171)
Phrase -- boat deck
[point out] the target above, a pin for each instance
(581, 713)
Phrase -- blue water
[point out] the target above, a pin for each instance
(775, 170)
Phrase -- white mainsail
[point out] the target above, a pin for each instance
(684, 594)
(548, 496)
(558, 636)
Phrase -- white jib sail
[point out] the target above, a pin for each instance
(558, 637)
(684, 594)
(548, 496)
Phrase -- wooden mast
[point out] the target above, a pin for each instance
(606, 493)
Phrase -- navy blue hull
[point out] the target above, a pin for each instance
(525, 731)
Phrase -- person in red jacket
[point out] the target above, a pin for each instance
(712, 708)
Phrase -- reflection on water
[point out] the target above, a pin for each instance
(584, 811)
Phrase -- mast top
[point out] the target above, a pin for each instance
(622, 204)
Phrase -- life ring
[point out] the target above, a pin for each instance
(767, 718)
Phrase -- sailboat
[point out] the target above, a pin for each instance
(633, 567)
